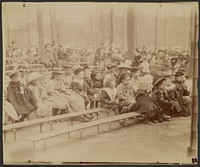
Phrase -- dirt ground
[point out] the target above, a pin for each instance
(142, 143)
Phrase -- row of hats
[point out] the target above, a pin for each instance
(121, 66)
(180, 72)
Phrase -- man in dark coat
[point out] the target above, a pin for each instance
(159, 98)
(20, 96)
(88, 86)
(181, 92)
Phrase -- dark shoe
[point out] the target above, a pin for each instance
(149, 122)
(160, 120)
(166, 117)
(121, 122)
(88, 116)
(155, 121)
(83, 119)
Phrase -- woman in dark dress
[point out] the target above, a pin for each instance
(77, 86)
(20, 96)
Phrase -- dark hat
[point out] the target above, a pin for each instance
(159, 80)
(78, 70)
(182, 70)
(58, 70)
(86, 67)
(110, 65)
(179, 73)
(134, 69)
(14, 74)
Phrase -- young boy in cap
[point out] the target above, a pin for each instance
(135, 80)
(159, 97)
(181, 92)
(20, 96)
(88, 85)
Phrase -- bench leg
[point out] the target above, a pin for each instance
(51, 126)
(14, 130)
(4, 133)
(68, 136)
(98, 128)
(80, 134)
(107, 113)
(71, 121)
(41, 128)
(44, 145)
(109, 125)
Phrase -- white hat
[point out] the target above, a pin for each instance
(33, 76)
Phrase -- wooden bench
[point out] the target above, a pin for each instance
(80, 127)
(40, 121)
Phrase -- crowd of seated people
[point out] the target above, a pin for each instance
(122, 89)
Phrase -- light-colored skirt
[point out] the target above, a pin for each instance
(44, 109)
(58, 100)
(9, 112)
(76, 102)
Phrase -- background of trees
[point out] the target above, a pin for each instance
(153, 24)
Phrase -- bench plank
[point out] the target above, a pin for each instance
(48, 119)
(55, 133)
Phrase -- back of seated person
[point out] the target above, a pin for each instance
(20, 96)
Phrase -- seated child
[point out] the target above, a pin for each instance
(144, 104)
(161, 99)
(108, 95)
(182, 93)
(170, 92)
(97, 86)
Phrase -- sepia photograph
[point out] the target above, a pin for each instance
(100, 83)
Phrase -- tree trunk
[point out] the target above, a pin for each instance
(6, 21)
(156, 31)
(29, 29)
(101, 27)
(111, 26)
(165, 28)
(51, 25)
(91, 28)
(130, 31)
(40, 29)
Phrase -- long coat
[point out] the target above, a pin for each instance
(88, 86)
(144, 103)
(181, 91)
(24, 102)
(107, 97)
(79, 88)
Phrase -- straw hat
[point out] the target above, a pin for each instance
(123, 66)
(159, 81)
(14, 74)
(58, 70)
(33, 76)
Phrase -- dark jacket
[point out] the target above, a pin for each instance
(161, 99)
(88, 86)
(143, 103)
(79, 89)
(181, 91)
(23, 103)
